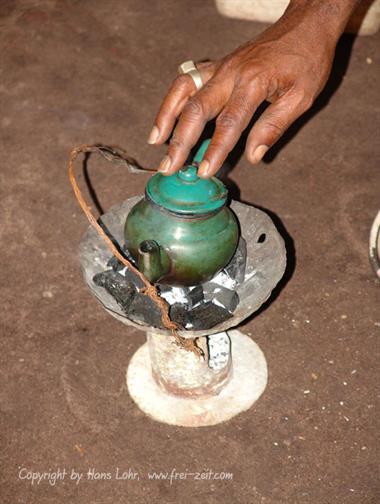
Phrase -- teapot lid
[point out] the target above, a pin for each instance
(184, 192)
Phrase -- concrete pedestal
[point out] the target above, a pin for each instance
(247, 379)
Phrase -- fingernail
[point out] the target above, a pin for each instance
(165, 164)
(154, 134)
(259, 153)
(203, 168)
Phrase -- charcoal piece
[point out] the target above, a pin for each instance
(130, 276)
(101, 279)
(195, 296)
(120, 288)
(207, 315)
(189, 296)
(116, 265)
(144, 309)
(119, 267)
(228, 299)
(236, 267)
(179, 314)
(224, 280)
(174, 294)
(220, 295)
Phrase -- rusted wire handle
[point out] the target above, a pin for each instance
(149, 289)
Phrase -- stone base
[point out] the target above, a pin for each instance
(248, 381)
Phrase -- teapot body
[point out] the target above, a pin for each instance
(191, 249)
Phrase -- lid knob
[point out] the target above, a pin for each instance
(188, 174)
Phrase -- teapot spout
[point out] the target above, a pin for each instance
(149, 260)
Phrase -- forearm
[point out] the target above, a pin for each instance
(331, 16)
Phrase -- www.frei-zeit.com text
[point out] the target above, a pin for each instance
(54, 477)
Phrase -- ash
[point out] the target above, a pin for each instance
(199, 307)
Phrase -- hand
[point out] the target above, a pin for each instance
(287, 65)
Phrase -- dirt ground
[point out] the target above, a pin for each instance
(77, 72)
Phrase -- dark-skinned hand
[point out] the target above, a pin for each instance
(287, 65)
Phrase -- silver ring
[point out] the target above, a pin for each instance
(189, 68)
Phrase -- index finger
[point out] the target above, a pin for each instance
(199, 109)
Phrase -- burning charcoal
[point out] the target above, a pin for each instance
(195, 296)
(207, 315)
(236, 267)
(116, 265)
(179, 314)
(227, 298)
(120, 288)
(144, 309)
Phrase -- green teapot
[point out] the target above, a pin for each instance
(182, 232)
